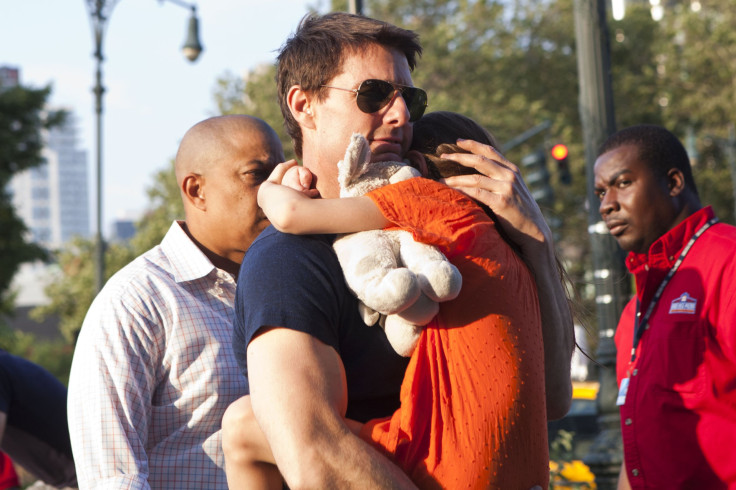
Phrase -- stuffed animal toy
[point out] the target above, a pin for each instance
(389, 272)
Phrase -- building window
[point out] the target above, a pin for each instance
(41, 213)
(40, 193)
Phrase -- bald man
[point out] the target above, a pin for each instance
(153, 370)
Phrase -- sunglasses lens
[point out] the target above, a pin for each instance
(373, 95)
(416, 101)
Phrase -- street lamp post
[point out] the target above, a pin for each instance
(99, 13)
(355, 7)
(610, 276)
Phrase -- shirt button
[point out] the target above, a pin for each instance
(627, 422)
(635, 472)
(636, 371)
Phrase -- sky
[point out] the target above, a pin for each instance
(153, 94)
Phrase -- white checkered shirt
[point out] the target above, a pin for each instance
(153, 373)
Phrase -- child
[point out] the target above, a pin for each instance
(472, 409)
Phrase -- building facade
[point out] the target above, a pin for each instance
(53, 198)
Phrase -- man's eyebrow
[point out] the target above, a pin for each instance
(618, 174)
(257, 161)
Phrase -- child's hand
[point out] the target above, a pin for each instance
(280, 195)
(299, 179)
(292, 175)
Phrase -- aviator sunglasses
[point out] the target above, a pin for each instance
(373, 95)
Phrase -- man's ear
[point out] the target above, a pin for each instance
(192, 188)
(300, 105)
(675, 181)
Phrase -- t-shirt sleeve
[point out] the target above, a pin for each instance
(434, 213)
(288, 281)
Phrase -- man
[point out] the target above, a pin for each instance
(310, 359)
(153, 370)
(676, 342)
(33, 422)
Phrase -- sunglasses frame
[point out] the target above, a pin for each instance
(365, 104)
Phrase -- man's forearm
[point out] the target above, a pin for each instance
(348, 462)
(299, 397)
(557, 331)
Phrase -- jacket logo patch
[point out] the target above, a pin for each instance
(683, 304)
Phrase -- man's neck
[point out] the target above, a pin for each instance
(217, 260)
(691, 205)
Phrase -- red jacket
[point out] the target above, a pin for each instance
(8, 476)
(679, 417)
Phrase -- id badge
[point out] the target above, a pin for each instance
(623, 389)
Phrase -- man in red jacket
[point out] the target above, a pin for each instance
(676, 340)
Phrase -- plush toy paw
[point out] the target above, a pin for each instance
(402, 335)
(438, 278)
(371, 272)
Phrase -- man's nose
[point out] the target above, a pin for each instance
(398, 110)
(608, 203)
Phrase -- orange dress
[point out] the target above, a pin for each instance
(472, 409)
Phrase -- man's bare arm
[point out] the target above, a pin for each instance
(299, 397)
(502, 188)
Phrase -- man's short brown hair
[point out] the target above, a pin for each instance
(314, 54)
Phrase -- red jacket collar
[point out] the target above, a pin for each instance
(664, 252)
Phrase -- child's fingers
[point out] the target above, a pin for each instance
(278, 173)
(305, 178)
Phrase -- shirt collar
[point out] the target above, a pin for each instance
(188, 263)
(664, 251)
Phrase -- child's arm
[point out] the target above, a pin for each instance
(291, 211)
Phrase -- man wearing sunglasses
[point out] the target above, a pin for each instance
(310, 358)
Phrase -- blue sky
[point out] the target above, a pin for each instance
(153, 94)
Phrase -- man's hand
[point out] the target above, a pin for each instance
(502, 188)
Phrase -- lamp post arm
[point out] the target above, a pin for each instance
(180, 3)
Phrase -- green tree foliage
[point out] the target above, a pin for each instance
(22, 120)
(255, 96)
(164, 206)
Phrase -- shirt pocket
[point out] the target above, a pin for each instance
(682, 352)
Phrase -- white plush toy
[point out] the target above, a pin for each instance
(389, 272)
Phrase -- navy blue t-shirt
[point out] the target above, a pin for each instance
(296, 282)
(35, 404)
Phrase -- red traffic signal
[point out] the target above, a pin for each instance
(559, 152)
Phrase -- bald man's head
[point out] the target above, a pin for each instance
(220, 164)
(214, 140)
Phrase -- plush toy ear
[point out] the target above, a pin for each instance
(354, 164)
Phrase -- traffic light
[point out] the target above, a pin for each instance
(537, 177)
(559, 153)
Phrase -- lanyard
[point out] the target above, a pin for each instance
(640, 324)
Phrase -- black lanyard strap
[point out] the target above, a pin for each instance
(640, 323)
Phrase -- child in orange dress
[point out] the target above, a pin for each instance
(472, 411)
